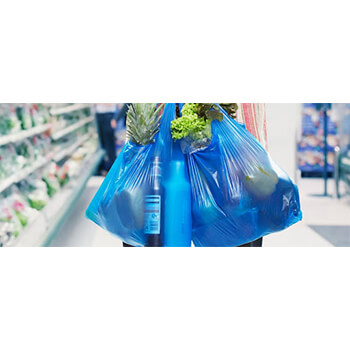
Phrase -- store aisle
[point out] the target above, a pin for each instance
(78, 231)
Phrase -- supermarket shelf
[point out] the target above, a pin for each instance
(23, 173)
(21, 135)
(68, 151)
(42, 230)
(68, 109)
(58, 134)
(80, 183)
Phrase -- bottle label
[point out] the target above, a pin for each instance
(152, 215)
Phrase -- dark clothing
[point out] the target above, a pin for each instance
(106, 136)
(123, 111)
(257, 243)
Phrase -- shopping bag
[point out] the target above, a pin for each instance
(127, 201)
(238, 193)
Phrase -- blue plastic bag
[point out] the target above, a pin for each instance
(238, 193)
(119, 204)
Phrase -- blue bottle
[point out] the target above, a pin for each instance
(177, 203)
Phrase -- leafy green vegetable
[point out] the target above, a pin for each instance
(37, 204)
(188, 125)
(52, 186)
(196, 119)
(22, 218)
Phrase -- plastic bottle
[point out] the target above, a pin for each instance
(177, 230)
(153, 206)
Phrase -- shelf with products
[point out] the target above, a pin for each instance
(39, 157)
(310, 148)
(44, 159)
(61, 133)
(23, 173)
(69, 150)
(58, 215)
(69, 109)
(24, 134)
(45, 223)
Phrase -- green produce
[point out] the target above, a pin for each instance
(22, 218)
(52, 185)
(143, 120)
(37, 204)
(63, 175)
(13, 123)
(25, 149)
(8, 217)
(20, 206)
(8, 120)
(196, 120)
(190, 125)
(23, 114)
(3, 125)
(49, 176)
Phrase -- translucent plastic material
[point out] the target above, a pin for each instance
(238, 193)
(130, 201)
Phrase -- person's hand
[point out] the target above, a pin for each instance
(113, 124)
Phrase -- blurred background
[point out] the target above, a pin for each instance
(53, 158)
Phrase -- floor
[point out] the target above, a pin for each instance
(78, 231)
(326, 221)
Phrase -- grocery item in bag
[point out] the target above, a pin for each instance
(239, 194)
(130, 200)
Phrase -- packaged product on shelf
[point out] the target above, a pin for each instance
(49, 176)
(91, 145)
(71, 169)
(24, 115)
(10, 162)
(63, 174)
(79, 154)
(10, 226)
(45, 143)
(6, 233)
(58, 123)
(88, 148)
(38, 114)
(35, 191)
(20, 206)
(9, 122)
(3, 172)
(41, 145)
(43, 111)
(25, 153)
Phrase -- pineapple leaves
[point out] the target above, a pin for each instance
(143, 120)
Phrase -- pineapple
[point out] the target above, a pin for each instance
(143, 120)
